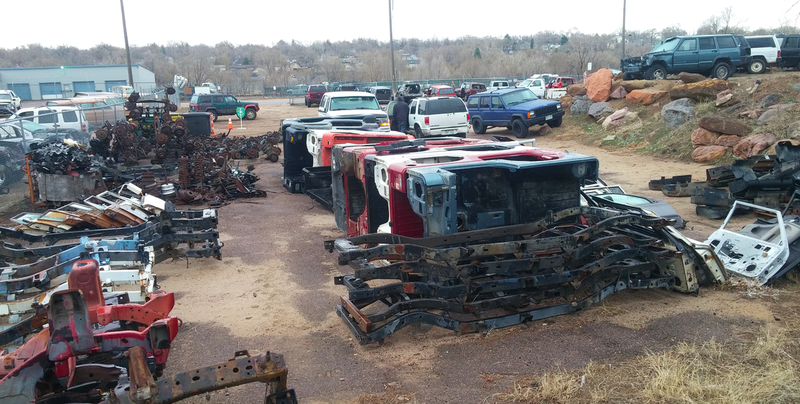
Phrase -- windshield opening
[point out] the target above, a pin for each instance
(666, 45)
(525, 83)
(518, 97)
(347, 103)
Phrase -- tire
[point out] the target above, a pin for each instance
(478, 127)
(656, 72)
(308, 104)
(627, 76)
(757, 66)
(519, 128)
(555, 122)
(3, 178)
(250, 114)
(721, 70)
(214, 115)
(418, 131)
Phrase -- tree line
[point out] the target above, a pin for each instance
(249, 68)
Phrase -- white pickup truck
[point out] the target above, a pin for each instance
(549, 86)
(497, 85)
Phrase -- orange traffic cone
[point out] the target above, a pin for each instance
(211, 118)
(230, 124)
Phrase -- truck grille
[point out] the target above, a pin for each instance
(550, 109)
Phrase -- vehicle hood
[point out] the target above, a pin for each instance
(351, 112)
(531, 105)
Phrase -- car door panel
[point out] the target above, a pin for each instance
(686, 56)
(707, 53)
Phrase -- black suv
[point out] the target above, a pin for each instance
(790, 51)
(222, 104)
(716, 55)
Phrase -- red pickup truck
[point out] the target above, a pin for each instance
(468, 89)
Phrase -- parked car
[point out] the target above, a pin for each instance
(497, 85)
(765, 50)
(12, 135)
(314, 94)
(7, 100)
(714, 55)
(15, 100)
(57, 116)
(515, 108)
(438, 116)
(441, 91)
(409, 91)
(383, 94)
(562, 82)
(468, 89)
(222, 104)
(352, 103)
(790, 51)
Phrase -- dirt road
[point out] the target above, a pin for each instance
(273, 290)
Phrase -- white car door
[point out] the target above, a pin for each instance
(412, 113)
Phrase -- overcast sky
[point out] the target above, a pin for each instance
(85, 23)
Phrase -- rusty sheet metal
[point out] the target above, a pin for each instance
(268, 368)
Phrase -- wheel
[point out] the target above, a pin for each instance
(213, 115)
(2, 178)
(757, 66)
(721, 71)
(519, 128)
(478, 127)
(555, 122)
(250, 114)
(417, 131)
(627, 76)
(656, 72)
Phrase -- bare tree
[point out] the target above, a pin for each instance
(332, 68)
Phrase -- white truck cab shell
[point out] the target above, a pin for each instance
(497, 85)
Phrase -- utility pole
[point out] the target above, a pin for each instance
(127, 48)
(391, 47)
(623, 27)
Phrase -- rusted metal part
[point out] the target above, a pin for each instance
(480, 280)
(143, 388)
(268, 368)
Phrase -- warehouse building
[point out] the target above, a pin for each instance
(44, 83)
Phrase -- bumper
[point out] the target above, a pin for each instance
(541, 120)
(778, 61)
(447, 131)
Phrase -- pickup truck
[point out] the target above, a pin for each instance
(715, 55)
(409, 91)
(515, 108)
(557, 87)
(497, 85)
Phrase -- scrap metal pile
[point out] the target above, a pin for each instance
(763, 180)
(474, 235)
(85, 321)
(485, 279)
(99, 347)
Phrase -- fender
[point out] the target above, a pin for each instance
(252, 106)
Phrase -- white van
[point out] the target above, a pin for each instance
(62, 117)
(438, 116)
(497, 85)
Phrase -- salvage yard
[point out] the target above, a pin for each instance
(273, 290)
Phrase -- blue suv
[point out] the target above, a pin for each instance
(515, 108)
(715, 55)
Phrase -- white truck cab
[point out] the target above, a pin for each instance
(497, 85)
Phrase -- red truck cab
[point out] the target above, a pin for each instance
(441, 91)
(314, 94)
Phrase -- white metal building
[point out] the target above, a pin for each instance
(41, 83)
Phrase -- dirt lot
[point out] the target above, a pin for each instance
(273, 290)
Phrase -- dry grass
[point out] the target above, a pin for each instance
(766, 369)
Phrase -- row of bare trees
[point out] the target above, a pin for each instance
(249, 68)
